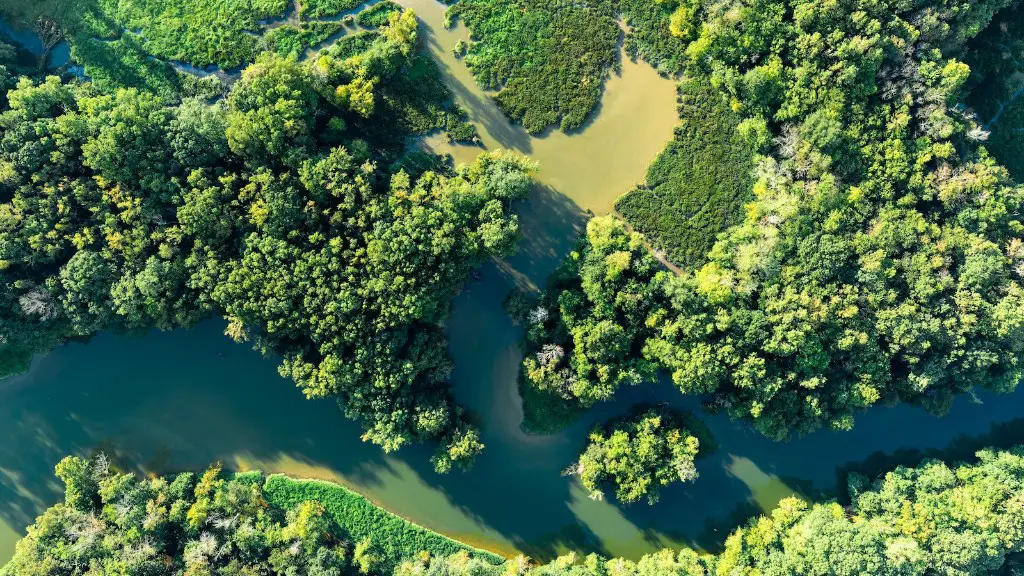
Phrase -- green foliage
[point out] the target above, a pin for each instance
(269, 208)
(177, 525)
(697, 186)
(393, 539)
(650, 37)
(933, 519)
(199, 32)
(217, 524)
(881, 258)
(378, 14)
(326, 8)
(549, 61)
(869, 267)
(585, 333)
(124, 63)
(638, 454)
(289, 39)
(964, 519)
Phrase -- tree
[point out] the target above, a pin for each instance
(638, 454)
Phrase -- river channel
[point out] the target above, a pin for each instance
(183, 399)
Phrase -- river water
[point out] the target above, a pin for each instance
(182, 399)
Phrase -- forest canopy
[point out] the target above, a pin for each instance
(935, 518)
(638, 454)
(283, 207)
(880, 259)
(216, 522)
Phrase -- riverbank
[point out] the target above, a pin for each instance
(395, 538)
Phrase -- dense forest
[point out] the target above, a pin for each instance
(216, 523)
(284, 207)
(879, 260)
(933, 519)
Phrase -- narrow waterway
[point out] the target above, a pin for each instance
(183, 399)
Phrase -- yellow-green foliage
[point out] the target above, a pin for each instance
(638, 455)
(697, 186)
(393, 539)
(378, 14)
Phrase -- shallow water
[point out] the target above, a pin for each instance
(186, 398)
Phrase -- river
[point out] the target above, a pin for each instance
(182, 399)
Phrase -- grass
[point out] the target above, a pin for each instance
(394, 538)
(698, 185)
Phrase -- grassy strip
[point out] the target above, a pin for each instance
(697, 186)
(394, 538)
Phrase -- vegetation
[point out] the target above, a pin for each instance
(638, 454)
(584, 334)
(201, 32)
(548, 61)
(654, 35)
(932, 519)
(326, 8)
(393, 538)
(378, 14)
(698, 185)
(880, 260)
(290, 40)
(935, 518)
(273, 208)
(215, 523)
